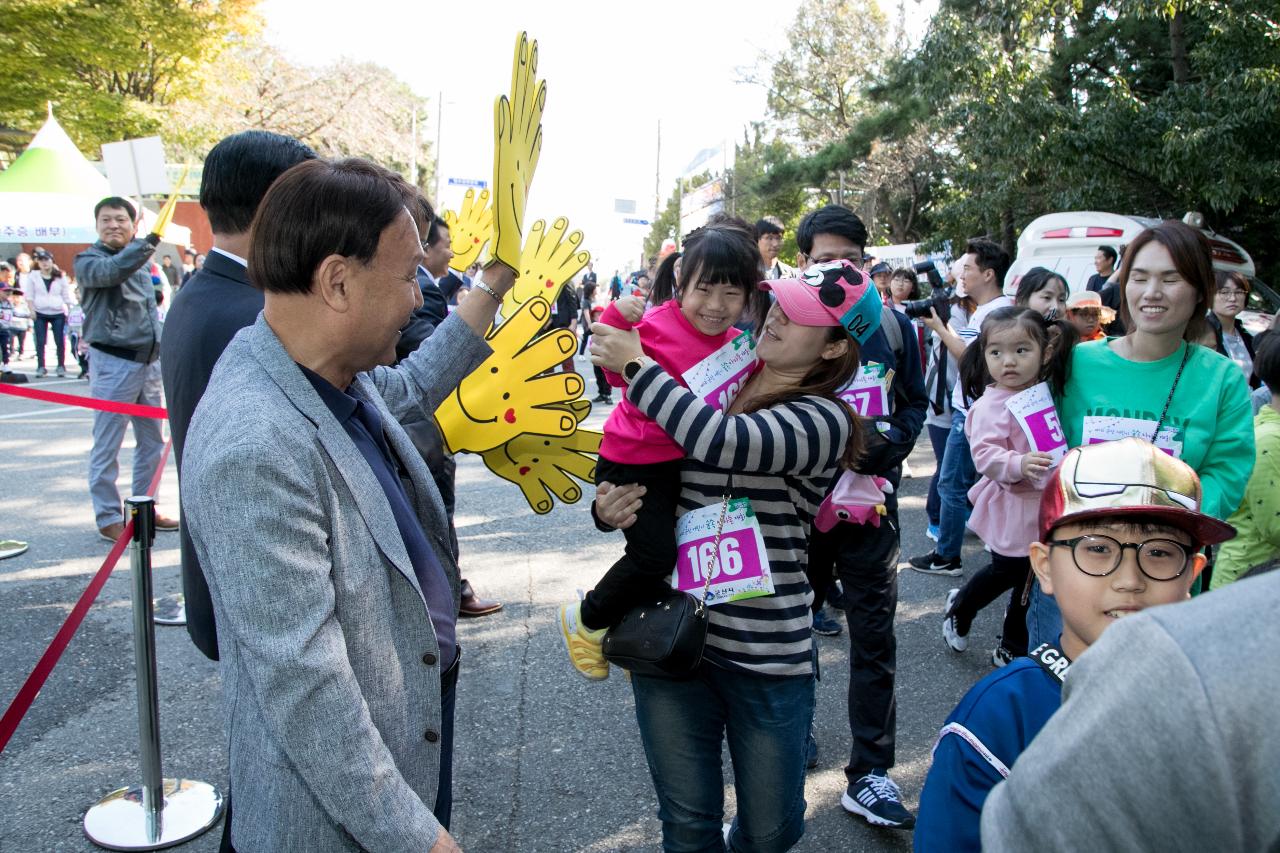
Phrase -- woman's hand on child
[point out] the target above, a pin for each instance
(611, 347)
(1035, 465)
(631, 308)
(617, 506)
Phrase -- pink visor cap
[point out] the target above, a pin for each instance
(834, 293)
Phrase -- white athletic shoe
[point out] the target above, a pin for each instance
(957, 641)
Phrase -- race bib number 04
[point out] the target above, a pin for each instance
(739, 568)
(719, 377)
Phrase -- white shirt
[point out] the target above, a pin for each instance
(969, 334)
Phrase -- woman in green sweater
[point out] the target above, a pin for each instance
(1156, 383)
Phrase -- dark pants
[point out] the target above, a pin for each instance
(603, 388)
(19, 341)
(58, 322)
(866, 561)
(443, 809)
(1002, 575)
(650, 556)
(933, 504)
(4, 344)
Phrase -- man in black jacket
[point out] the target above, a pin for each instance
(215, 303)
(863, 556)
(425, 434)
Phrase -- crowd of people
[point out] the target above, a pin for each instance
(753, 460)
(1159, 434)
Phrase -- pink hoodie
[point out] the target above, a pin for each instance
(667, 337)
(1006, 505)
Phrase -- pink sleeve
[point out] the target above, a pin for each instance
(990, 441)
(613, 317)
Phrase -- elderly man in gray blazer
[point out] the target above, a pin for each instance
(321, 533)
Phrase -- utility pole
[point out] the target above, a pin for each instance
(439, 123)
(413, 147)
(657, 177)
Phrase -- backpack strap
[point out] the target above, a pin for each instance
(892, 331)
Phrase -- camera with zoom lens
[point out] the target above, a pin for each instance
(940, 299)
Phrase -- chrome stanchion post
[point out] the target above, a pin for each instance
(160, 812)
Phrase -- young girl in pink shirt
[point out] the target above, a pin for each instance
(1016, 349)
(693, 338)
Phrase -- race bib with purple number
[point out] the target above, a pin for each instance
(719, 377)
(868, 392)
(739, 567)
(1035, 413)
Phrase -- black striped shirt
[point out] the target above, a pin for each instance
(783, 458)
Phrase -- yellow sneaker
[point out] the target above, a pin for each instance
(583, 644)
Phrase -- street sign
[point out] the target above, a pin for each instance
(468, 182)
(629, 221)
(624, 205)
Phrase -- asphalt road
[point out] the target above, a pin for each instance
(545, 761)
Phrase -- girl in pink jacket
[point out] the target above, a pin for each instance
(693, 338)
(1016, 349)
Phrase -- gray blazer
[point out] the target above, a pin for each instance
(330, 665)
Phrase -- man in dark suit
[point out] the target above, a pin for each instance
(432, 275)
(215, 303)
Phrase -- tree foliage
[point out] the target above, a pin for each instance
(1014, 108)
(112, 67)
(346, 109)
(193, 71)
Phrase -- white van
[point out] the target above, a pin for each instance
(1067, 242)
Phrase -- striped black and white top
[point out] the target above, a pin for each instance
(783, 458)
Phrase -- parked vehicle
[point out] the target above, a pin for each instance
(1067, 242)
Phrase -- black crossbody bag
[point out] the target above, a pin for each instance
(665, 638)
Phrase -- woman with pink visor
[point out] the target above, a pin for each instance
(773, 452)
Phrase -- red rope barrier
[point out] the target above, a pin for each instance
(31, 687)
(85, 402)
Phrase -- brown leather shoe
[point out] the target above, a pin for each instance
(472, 605)
(164, 522)
(112, 531)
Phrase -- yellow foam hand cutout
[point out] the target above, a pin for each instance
(508, 395)
(517, 145)
(549, 260)
(542, 465)
(469, 229)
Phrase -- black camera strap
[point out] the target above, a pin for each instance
(1051, 660)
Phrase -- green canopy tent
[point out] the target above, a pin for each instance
(48, 194)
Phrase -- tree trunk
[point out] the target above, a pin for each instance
(1178, 48)
(1008, 239)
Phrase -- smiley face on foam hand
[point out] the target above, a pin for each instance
(508, 394)
(469, 229)
(541, 465)
(549, 260)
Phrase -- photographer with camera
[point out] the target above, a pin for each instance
(982, 273)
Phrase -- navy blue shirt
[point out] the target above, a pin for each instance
(1003, 712)
(363, 423)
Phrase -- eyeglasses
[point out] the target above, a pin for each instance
(1099, 556)
(1231, 294)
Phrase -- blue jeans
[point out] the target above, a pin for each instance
(765, 720)
(956, 477)
(1044, 620)
(933, 504)
(123, 381)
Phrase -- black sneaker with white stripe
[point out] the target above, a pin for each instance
(876, 797)
(935, 564)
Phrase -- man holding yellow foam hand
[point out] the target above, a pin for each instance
(123, 331)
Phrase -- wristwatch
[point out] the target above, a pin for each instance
(632, 368)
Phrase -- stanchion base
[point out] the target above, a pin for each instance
(170, 610)
(118, 821)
